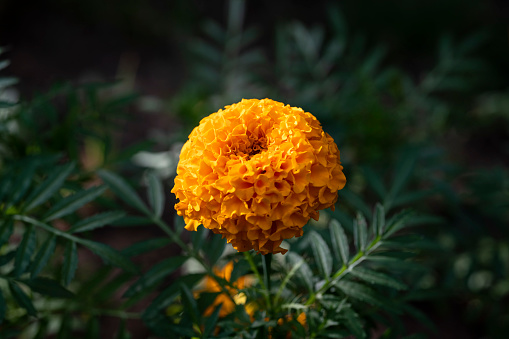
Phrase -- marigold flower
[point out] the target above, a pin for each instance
(256, 172)
(211, 285)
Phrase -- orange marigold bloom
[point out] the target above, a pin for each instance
(211, 285)
(256, 172)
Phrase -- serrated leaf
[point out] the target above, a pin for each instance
(377, 278)
(155, 194)
(123, 190)
(360, 292)
(22, 299)
(397, 222)
(109, 255)
(23, 181)
(304, 272)
(6, 230)
(339, 241)
(360, 232)
(157, 273)
(48, 187)
(96, 221)
(24, 252)
(322, 254)
(354, 323)
(146, 246)
(379, 220)
(70, 262)
(48, 287)
(211, 321)
(43, 255)
(73, 202)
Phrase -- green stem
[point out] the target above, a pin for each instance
(347, 268)
(266, 264)
(193, 253)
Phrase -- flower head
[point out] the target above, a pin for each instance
(256, 172)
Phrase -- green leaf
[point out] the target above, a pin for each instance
(43, 255)
(157, 273)
(6, 230)
(322, 254)
(65, 327)
(70, 262)
(375, 182)
(22, 299)
(215, 249)
(211, 321)
(23, 181)
(359, 291)
(110, 255)
(48, 287)
(155, 194)
(96, 221)
(190, 306)
(287, 278)
(146, 246)
(131, 221)
(123, 190)
(3, 307)
(377, 278)
(198, 237)
(73, 202)
(354, 323)
(170, 293)
(48, 187)
(379, 220)
(360, 232)
(401, 176)
(304, 273)
(339, 241)
(397, 222)
(24, 252)
(356, 201)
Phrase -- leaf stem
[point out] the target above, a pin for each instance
(356, 260)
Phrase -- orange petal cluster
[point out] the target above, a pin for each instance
(211, 285)
(256, 172)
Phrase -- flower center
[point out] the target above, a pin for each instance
(250, 147)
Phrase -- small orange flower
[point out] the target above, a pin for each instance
(256, 172)
(211, 285)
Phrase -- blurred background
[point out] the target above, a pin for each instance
(413, 87)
